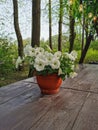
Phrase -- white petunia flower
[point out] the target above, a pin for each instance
(48, 54)
(18, 61)
(74, 53)
(39, 64)
(37, 59)
(60, 71)
(29, 51)
(55, 64)
(42, 57)
(39, 50)
(49, 57)
(28, 48)
(73, 74)
(33, 52)
(71, 57)
(57, 54)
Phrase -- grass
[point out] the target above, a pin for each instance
(91, 56)
(13, 77)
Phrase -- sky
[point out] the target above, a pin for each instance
(6, 20)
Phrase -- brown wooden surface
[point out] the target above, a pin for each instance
(75, 107)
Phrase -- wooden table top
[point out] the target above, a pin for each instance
(75, 107)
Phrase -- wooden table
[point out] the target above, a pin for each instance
(75, 107)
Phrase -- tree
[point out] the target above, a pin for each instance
(88, 8)
(60, 25)
(88, 41)
(50, 25)
(35, 38)
(17, 30)
(83, 31)
(93, 25)
(71, 28)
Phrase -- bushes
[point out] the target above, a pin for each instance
(92, 56)
(8, 52)
(7, 56)
(94, 45)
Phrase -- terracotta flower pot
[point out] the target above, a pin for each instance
(49, 84)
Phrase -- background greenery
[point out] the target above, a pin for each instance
(8, 56)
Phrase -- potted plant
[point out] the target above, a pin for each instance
(49, 67)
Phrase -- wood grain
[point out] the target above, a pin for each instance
(88, 117)
(75, 107)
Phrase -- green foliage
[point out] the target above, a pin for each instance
(94, 45)
(14, 76)
(66, 64)
(55, 43)
(92, 56)
(7, 56)
(77, 46)
(86, 7)
(47, 70)
(45, 62)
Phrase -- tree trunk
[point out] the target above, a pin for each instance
(35, 38)
(60, 26)
(17, 30)
(88, 41)
(50, 25)
(83, 29)
(72, 32)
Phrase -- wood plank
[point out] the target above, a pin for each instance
(94, 87)
(73, 108)
(30, 95)
(84, 81)
(18, 84)
(31, 80)
(46, 113)
(88, 117)
(15, 90)
(29, 110)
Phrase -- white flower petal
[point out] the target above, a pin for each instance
(73, 74)
(60, 71)
(57, 54)
(18, 61)
(39, 64)
(55, 64)
(74, 54)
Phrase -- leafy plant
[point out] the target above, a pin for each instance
(45, 62)
(7, 56)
